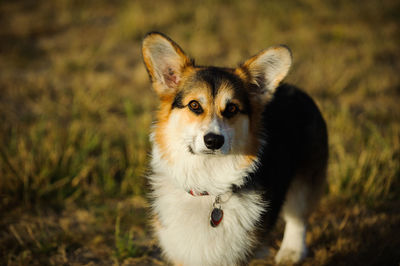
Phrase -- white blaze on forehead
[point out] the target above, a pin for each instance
(225, 94)
(215, 126)
(219, 127)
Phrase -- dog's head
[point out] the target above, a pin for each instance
(210, 111)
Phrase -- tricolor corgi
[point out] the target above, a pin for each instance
(232, 149)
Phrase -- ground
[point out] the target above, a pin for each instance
(76, 107)
(110, 234)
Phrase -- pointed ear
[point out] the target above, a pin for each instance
(267, 69)
(165, 62)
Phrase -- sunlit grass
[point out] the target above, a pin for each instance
(76, 116)
(365, 159)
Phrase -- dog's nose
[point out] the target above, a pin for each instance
(213, 141)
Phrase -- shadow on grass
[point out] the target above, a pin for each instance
(357, 235)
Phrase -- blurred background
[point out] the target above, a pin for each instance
(76, 106)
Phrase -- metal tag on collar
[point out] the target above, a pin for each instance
(217, 213)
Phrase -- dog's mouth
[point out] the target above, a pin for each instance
(190, 149)
(209, 152)
(204, 152)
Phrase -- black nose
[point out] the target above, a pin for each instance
(213, 141)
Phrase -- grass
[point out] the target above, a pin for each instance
(76, 107)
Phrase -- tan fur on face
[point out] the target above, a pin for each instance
(187, 117)
(245, 141)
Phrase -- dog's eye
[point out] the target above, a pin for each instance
(195, 107)
(230, 110)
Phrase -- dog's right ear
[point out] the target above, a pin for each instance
(266, 70)
(165, 62)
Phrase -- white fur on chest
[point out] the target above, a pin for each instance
(185, 233)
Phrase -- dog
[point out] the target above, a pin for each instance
(232, 148)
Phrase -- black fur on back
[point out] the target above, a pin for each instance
(296, 143)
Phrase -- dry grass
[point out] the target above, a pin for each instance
(76, 106)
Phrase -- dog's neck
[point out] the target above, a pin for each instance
(216, 175)
(250, 184)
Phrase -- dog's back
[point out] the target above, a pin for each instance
(293, 166)
(296, 148)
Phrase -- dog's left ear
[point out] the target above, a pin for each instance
(165, 62)
(266, 70)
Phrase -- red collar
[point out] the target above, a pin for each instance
(191, 192)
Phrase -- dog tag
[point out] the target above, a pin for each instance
(216, 217)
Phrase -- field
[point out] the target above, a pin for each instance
(76, 107)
